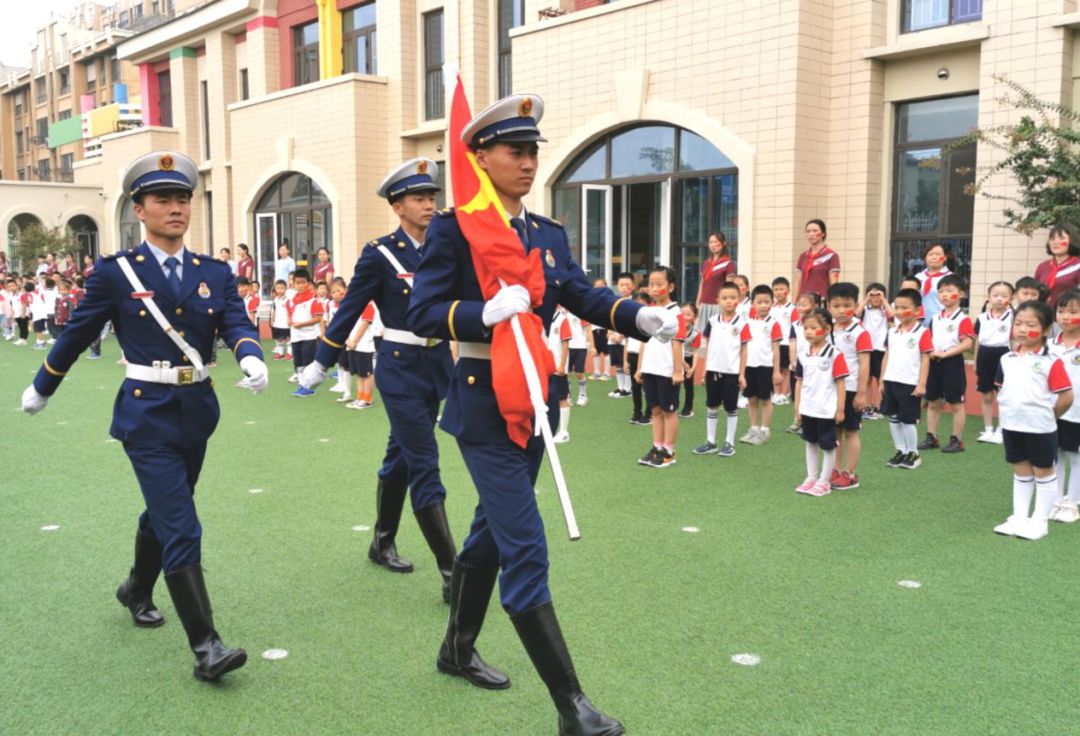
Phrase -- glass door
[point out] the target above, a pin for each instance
(596, 233)
(266, 242)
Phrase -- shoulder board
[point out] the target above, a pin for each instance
(445, 212)
(212, 259)
(546, 220)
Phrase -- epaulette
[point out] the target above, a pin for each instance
(114, 256)
(210, 258)
(546, 220)
(445, 212)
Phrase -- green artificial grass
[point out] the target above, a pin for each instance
(653, 614)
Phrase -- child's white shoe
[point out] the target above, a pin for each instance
(1032, 529)
(561, 438)
(987, 435)
(338, 389)
(583, 400)
(999, 438)
(294, 378)
(1009, 527)
(1066, 512)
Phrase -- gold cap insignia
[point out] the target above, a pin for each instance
(421, 167)
(165, 163)
(525, 108)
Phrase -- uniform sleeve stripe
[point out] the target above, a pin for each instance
(331, 343)
(450, 320)
(52, 371)
(242, 340)
(611, 316)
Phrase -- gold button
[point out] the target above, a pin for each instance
(405, 291)
(471, 380)
(400, 244)
(556, 282)
(187, 359)
(397, 354)
(196, 261)
(138, 392)
(142, 312)
(210, 310)
(181, 335)
(179, 311)
(140, 259)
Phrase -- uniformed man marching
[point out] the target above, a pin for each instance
(507, 532)
(412, 372)
(166, 306)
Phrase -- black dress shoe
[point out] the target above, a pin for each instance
(136, 593)
(470, 592)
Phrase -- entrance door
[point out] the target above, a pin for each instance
(266, 242)
(596, 231)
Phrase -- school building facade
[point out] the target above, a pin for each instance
(666, 120)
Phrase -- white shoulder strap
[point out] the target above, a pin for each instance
(159, 317)
(395, 263)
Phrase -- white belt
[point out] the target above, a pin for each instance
(163, 372)
(408, 338)
(474, 350)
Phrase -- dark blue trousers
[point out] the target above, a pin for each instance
(167, 477)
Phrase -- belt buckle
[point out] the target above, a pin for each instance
(185, 376)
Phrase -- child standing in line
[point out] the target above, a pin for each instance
(876, 315)
(305, 313)
(745, 307)
(7, 310)
(724, 343)
(660, 371)
(65, 305)
(1034, 391)
(361, 344)
(953, 335)
(35, 302)
(1067, 347)
(690, 347)
(855, 345)
(633, 355)
(762, 365)
(558, 342)
(624, 284)
(904, 371)
(344, 378)
(993, 328)
(250, 295)
(580, 343)
(807, 302)
(279, 322)
(783, 311)
(49, 292)
(820, 387)
(600, 369)
(20, 303)
(1029, 289)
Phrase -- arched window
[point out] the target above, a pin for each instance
(648, 194)
(130, 227)
(85, 232)
(293, 211)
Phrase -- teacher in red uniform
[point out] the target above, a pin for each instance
(715, 272)
(1061, 272)
(819, 266)
(324, 269)
(245, 264)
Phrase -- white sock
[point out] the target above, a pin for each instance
(581, 388)
(623, 379)
(564, 419)
(1074, 476)
(988, 428)
(732, 425)
(1023, 488)
(811, 460)
(1046, 494)
(712, 418)
(897, 432)
(911, 438)
(827, 465)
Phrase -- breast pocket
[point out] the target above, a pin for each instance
(205, 308)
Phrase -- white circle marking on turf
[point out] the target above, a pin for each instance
(252, 422)
(61, 424)
(913, 584)
(361, 528)
(691, 529)
(255, 490)
(275, 654)
(747, 660)
(50, 527)
(324, 439)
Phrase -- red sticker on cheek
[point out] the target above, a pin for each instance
(819, 333)
(1033, 334)
(1074, 321)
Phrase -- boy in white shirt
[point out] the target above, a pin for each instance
(49, 294)
(660, 371)
(876, 316)
(559, 337)
(624, 284)
(783, 311)
(361, 344)
(305, 313)
(279, 322)
(38, 315)
(762, 365)
(581, 341)
(724, 342)
(953, 335)
(855, 345)
(904, 372)
(631, 364)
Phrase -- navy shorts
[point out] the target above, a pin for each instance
(561, 386)
(600, 339)
(360, 363)
(1039, 449)
(40, 325)
(722, 389)
(852, 418)
(898, 402)
(615, 353)
(660, 392)
(758, 382)
(947, 380)
(576, 363)
(785, 357)
(1068, 436)
(987, 361)
(280, 333)
(876, 357)
(821, 432)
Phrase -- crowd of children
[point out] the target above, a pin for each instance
(40, 304)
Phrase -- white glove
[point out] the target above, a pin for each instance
(32, 401)
(658, 322)
(313, 375)
(257, 375)
(509, 301)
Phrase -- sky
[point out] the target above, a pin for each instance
(21, 18)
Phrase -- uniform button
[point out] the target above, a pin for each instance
(140, 258)
(187, 359)
(471, 380)
(210, 310)
(181, 333)
(138, 392)
(179, 311)
(556, 282)
(397, 354)
(404, 291)
(142, 312)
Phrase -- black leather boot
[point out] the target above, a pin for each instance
(470, 592)
(136, 593)
(539, 631)
(212, 658)
(436, 529)
(389, 500)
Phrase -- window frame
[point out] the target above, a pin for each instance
(300, 51)
(434, 99)
(349, 36)
(905, 6)
(503, 47)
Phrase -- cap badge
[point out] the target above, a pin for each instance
(549, 258)
(204, 290)
(421, 167)
(525, 108)
(166, 163)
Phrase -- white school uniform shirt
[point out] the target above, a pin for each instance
(693, 342)
(763, 333)
(725, 340)
(578, 339)
(785, 314)
(5, 304)
(1028, 384)
(49, 295)
(281, 313)
(994, 332)
(819, 372)
(38, 310)
(876, 323)
(633, 345)
(558, 333)
(905, 350)
(851, 341)
(658, 359)
(1070, 359)
(744, 307)
(798, 337)
(366, 344)
(304, 307)
(948, 331)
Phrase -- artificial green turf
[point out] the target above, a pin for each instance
(652, 614)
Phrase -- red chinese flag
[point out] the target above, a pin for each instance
(499, 258)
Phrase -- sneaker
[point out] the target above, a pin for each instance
(288, 356)
(337, 389)
(605, 377)
(911, 461)
(40, 346)
(302, 393)
(776, 399)
(1067, 512)
(561, 438)
(1032, 529)
(667, 459)
(582, 401)
(821, 488)
(709, 448)
(278, 356)
(345, 399)
(987, 435)
(294, 378)
(807, 486)
(1009, 527)
(760, 438)
(20, 341)
(999, 438)
(335, 375)
(852, 481)
(94, 356)
(685, 414)
(841, 481)
(834, 476)
(625, 393)
(242, 383)
(930, 443)
(51, 341)
(896, 460)
(650, 457)
(795, 428)
(955, 445)
(640, 421)
(358, 404)
(750, 436)
(616, 394)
